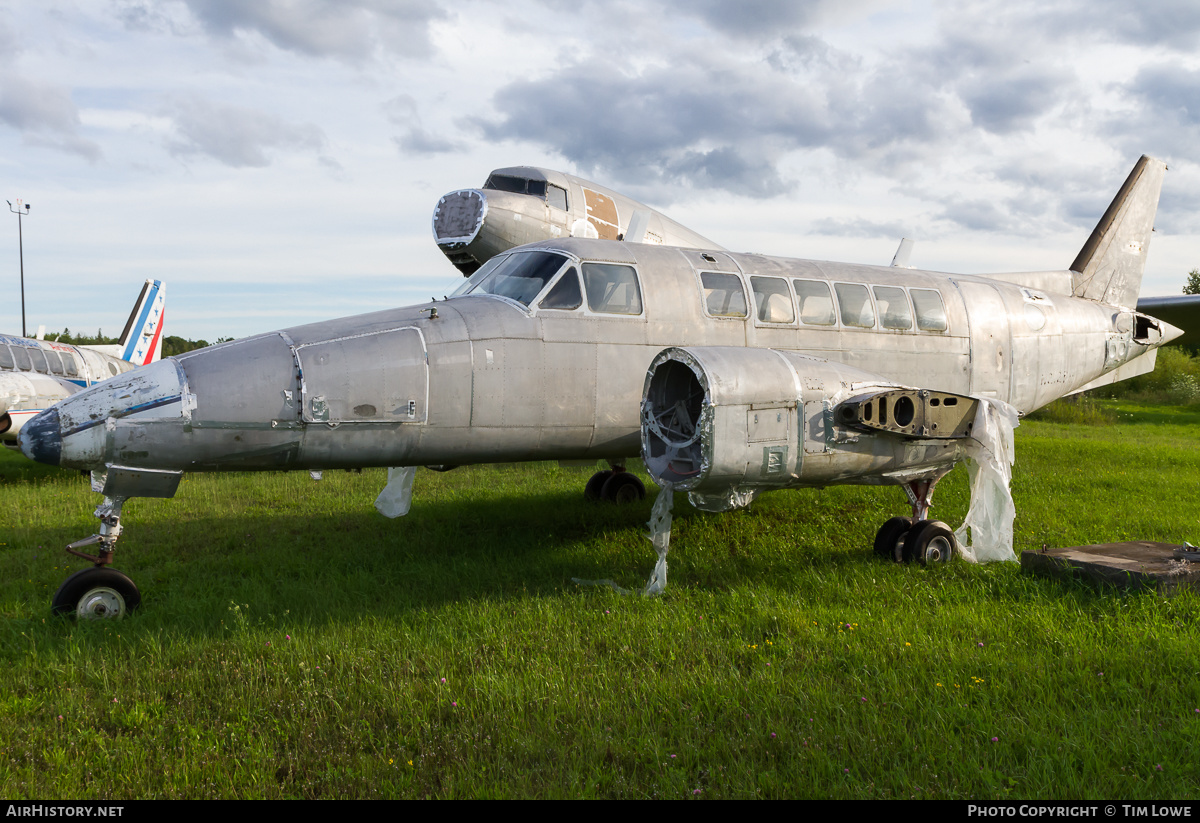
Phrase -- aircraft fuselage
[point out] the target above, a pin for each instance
(488, 378)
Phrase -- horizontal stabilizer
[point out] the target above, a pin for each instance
(1109, 267)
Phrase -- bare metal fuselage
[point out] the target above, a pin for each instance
(485, 379)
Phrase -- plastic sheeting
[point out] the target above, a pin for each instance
(732, 499)
(660, 536)
(990, 456)
(396, 497)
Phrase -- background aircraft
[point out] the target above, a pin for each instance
(766, 373)
(523, 204)
(36, 374)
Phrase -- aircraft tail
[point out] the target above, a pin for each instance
(141, 342)
(1110, 265)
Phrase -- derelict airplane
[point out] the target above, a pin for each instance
(731, 373)
(35, 374)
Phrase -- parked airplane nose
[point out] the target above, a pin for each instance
(76, 432)
(40, 438)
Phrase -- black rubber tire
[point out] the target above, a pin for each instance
(622, 488)
(930, 542)
(96, 593)
(889, 538)
(595, 485)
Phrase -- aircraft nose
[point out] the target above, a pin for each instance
(41, 438)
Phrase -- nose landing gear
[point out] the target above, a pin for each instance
(99, 592)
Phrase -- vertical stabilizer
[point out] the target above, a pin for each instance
(141, 342)
(1109, 267)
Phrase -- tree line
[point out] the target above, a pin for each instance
(171, 345)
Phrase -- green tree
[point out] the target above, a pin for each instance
(1193, 283)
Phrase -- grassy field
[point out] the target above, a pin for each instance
(293, 643)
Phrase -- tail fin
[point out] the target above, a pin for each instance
(1109, 267)
(141, 342)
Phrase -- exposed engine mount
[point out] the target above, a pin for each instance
(725, 423)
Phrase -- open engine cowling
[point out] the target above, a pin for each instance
(725, 423)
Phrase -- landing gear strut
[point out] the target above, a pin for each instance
(905, 539)
(616, 485)
(98, 592)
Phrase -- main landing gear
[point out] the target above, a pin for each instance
(99, 592)
(616, 485)
(905, 539)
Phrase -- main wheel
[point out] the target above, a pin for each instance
(889, 540)
(96, 593)
(623, 487)
(929, 542)
(595, 485)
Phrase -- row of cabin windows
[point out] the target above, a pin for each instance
(21, 358)
(554, 195)
(724, 296)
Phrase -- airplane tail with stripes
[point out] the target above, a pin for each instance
(141, 341)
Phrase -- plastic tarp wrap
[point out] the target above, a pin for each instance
(735, 498)
(396, 497)
(660, 536)
(990, 457)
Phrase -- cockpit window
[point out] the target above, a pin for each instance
(519, 277)
(564, 294)
(517, 185)
(611, 288)
(6, 359)
(556, 197)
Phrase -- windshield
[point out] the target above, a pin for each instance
(519, 277)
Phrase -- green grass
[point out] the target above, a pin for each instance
(293, 643)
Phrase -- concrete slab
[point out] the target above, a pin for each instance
(1138, 564)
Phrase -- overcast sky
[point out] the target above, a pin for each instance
(277, 161)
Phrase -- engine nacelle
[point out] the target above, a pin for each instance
(725, 423)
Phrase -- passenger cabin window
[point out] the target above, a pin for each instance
(855, 305)
(772, 300)
(21, 356)
(54, 363)
(816, 304)
(6, 358)
(612, 288)
(39, 361)
(564, 294)
(519, 277)
(931, 312)
(894, 312)
(723, 294)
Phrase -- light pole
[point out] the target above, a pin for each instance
(21, 249)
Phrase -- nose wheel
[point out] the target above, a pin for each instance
(98, 593)
(101, 592)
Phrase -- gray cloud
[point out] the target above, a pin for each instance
(402, 110)
(236, 136)
(1164, 114)
(719, 124)
(350, 30)
(44, 113)
(859, 227)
